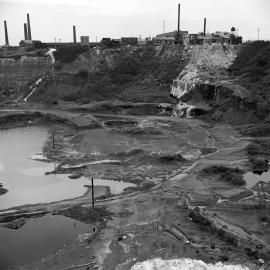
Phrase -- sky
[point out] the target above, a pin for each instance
(53, 19)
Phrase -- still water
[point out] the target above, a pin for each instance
(252, 179)
(24, 178)
(38, 238)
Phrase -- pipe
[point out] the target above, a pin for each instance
(204, 27)
(29, 27)
(6, 33)
(74, 33)
(25, 31)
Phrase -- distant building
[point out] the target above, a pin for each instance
(192, 39)
(59, 44)
(85, 40)
(164, 41)
(116, 43)
(142, 41)
(236, 40)
(129, 41)
(219, 37)
(167, 38)
(37, 44)
(106, 42)
(204, 39)
(184, 37)
(168, 34)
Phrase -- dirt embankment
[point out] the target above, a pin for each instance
(134, 74)
(19, 69)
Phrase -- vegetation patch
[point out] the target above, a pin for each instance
(67, 54)
(259, 147)
(256, 130)
(2, 190)
(230, 175)
(253, 60)
(137, 75)
(86, 215)
(207, 225)
(142, 131)
(259, 165)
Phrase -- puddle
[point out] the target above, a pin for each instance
(42, 237)
(24, 178)
(252, 178)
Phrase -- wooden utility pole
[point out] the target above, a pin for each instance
(53, 140)
(93, 197)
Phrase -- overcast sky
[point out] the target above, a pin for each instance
(52, 19)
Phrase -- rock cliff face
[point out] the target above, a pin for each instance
(197, 86)
(207, 84)
(17, 75)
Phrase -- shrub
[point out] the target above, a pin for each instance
(83, 73)
(68, 54)
(232, 175)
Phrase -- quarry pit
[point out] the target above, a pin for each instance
(169, 183)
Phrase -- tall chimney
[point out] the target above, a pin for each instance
(28, 27)
(204, 27)
(6, 33)
(74, 33)
(178, 25)
(25, 31)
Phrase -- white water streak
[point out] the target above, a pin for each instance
(34, 86)
(50, 54)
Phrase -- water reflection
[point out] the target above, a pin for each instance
(24, 178)
(42, 236)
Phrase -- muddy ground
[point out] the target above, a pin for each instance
(190, 200)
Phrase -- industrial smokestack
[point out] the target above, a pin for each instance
(178, 29)
(6, 33)
(178, 25)
(74, 33)
(29, 36)
(25, 31)
(204, 27)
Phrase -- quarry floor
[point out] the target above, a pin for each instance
(153, 219)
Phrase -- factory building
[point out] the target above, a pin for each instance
(125, 41)
(171, 38)
(106, 42)
(200, 38)
(85, 40)
(164, 41)
(37, 44)
(116, 42)
(219, 37)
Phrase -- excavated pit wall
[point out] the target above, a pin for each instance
(17, 74)
(199, 83)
